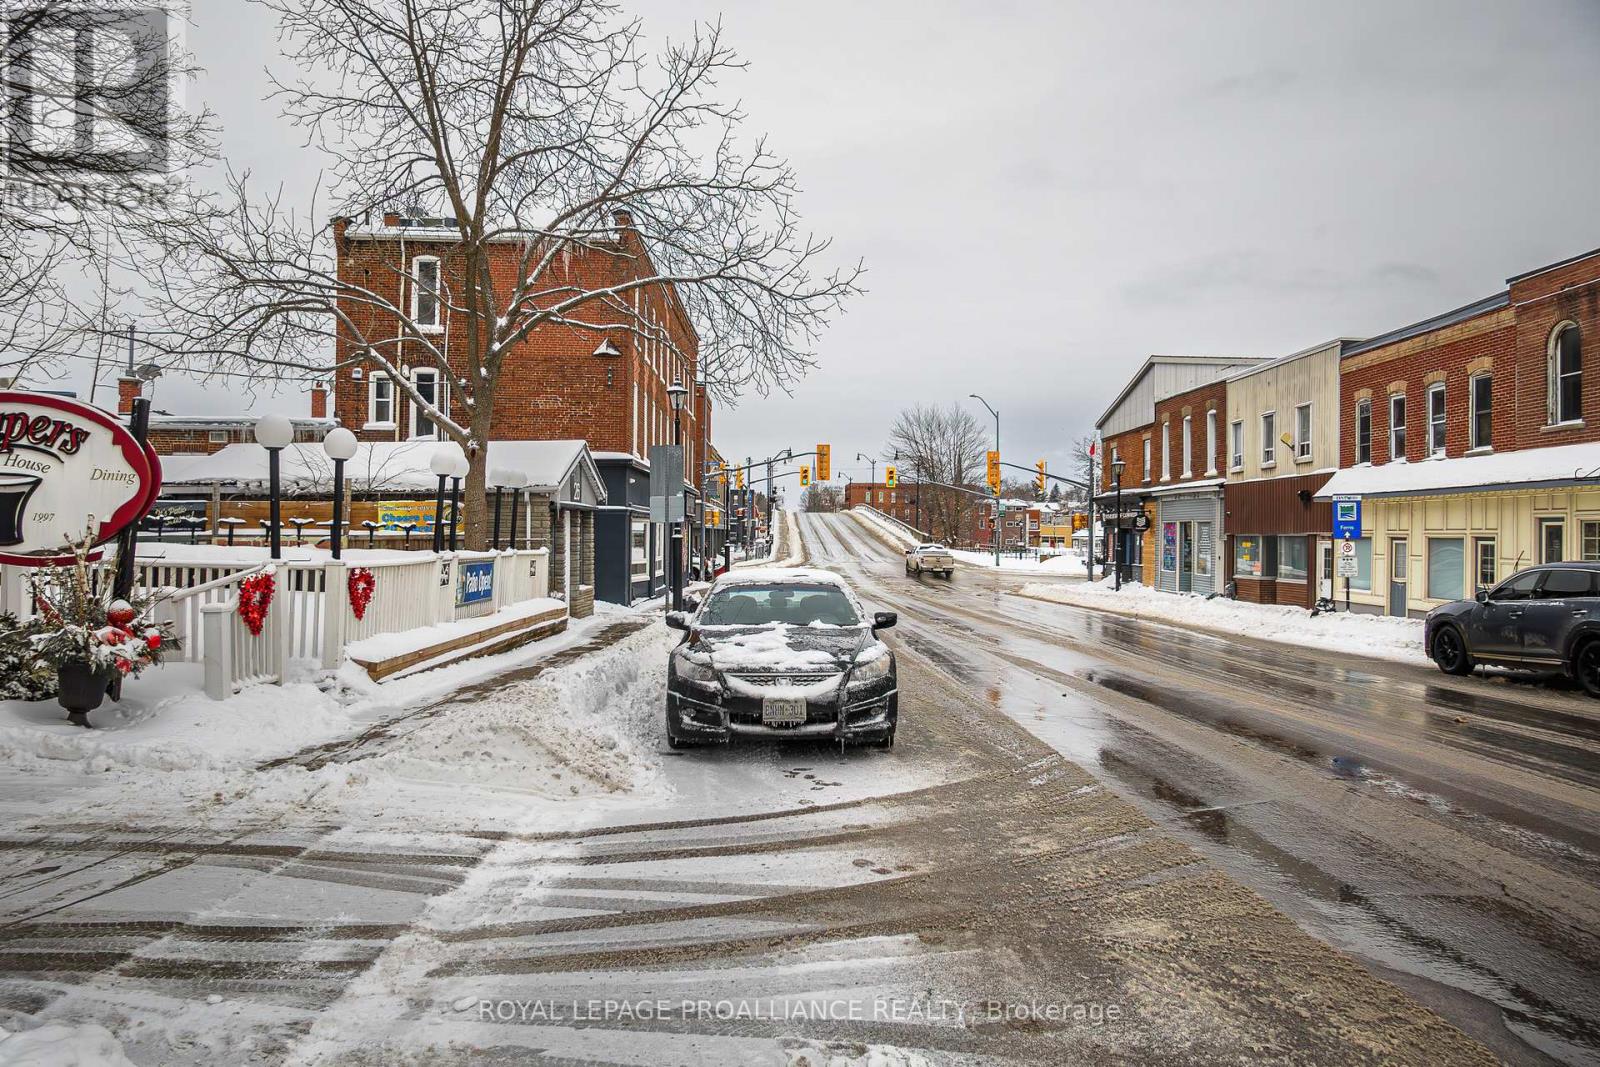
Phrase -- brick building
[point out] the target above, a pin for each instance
(606, 384)
(199, 435)
(1473, 441)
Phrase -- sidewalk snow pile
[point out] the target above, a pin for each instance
(1368, 635)
(1065, 563)
(787, 542)
(884, 528)
(58, 1045)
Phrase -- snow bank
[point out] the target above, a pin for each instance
(386, 646)
(1064, 563)
(895, 534)
(1369, 635)
(789, 539)
(58, 1045)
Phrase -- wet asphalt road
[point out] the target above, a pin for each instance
(1442, 831)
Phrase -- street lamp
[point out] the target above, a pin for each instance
(1116, 481)
(340, 445)
(274, 433)
(677, 393)
(460, 472)
(873, 460)
(441, 463)
(999, 512)
(515, 481)
(498, 477)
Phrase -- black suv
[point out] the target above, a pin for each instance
(1541, 618)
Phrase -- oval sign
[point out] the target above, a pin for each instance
(66, 470)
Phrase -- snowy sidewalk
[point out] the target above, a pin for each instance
(1379, 636)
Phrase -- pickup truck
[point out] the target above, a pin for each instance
(930, 557)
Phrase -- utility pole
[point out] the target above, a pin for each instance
(999, 508)
(1089, 481)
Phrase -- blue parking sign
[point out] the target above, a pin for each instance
(1347, 518)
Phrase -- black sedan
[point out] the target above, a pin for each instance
(1543, 618)
(781, 654)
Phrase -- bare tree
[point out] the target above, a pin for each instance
(542, 124)
(940, 447)
(822, 498)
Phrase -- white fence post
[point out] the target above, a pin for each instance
(282, 615)
(540, 564)
(445, 604)
(335, 611)
(214, 620)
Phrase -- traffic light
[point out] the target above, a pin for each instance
(891, 477)
(738, 478)
(1039, 479)
(714, 519)
(994, 472)
(824, 463)
(805, 475)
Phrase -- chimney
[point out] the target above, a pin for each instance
(319, 401)
(128, 389)
(391, 218)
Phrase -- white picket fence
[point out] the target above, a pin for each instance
(310, 616)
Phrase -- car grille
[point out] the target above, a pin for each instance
(774, 678)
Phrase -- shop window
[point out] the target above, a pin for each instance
(1566, 374)
(1363, 578)
(1591, 542)
(1364, 431)
(1292, 558)
(1446, 567)
(640, 560)
(1482, 389)
(1397, 426)
(1269, 438)
(1436, 424)
(1484, 556)
(1247, 561)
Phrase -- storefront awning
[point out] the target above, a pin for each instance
(1547, 468)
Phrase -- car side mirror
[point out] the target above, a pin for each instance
(1482, 596)
(882, 620)
(677, 620)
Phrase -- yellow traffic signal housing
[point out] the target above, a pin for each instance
(891, 477)
(1038, 482)
(994, 472)
(805, 475)
(824, 463)
(738, 478)
(715, 519)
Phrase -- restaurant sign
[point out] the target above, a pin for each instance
(67, 470)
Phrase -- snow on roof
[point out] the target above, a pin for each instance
(246, 420)
(378, 466)
(1556, 464)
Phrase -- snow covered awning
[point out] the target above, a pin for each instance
(563, 469)
(1545, 468)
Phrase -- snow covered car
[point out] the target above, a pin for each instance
(931, 557)
(781, 654)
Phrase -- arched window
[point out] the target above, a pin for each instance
(1566, 374)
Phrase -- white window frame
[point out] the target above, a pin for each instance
(1166, 451)
(1302, 442)
(1236, 445)
(437, 326)
(1269, 439)
(1397, 453)
(1147, 459)
(1438, 428)
(1188, 446)
(1366, 405)
(1211, 442)
(375, 380)
(1473, 412)
(441, 400)
(1553, 376)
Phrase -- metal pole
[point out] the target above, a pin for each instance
(497, 518)
(1117, 544)
(1089, 481)
(511, 542)
(455, 511)
(675, 568)
(274, 515)
(438, 518)
(338, 506)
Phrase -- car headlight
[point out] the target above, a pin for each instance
(873, 669)
(695, 671)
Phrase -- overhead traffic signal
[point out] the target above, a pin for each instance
(994, 472)
(738, 478)
(824, 462)
(805, 475)
(891, 477)
(1039, 479)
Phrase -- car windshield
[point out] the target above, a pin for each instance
(930, 548)
(790, 604)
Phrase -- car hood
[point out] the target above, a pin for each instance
(781, 649)
(1454, 609)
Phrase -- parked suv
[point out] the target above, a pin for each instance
(1542, 618)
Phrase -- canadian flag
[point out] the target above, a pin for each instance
(1091, 449)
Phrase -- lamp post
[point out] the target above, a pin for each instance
(274, 433)
(340, 445)
(459, 472)
(442, 463)
(999, 512)
(516, 481)
(873, 461)
(498, 477)
(677, 393)
(1116, 481)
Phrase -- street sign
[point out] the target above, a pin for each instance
(666, 483)
(994, 472)
(1347, 517)
(824, 462)
(475, 582)
(1349, 564)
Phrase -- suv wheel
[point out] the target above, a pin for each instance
(1450, 652)
(1586, 666)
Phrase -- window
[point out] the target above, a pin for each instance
(1483, 550)
(380, 400)
(1147, 459)
(1397, 426)
(1236, 446)
(1363, 578)
(1188, 447)
(1269, 439)
(1436, 420)
(1566, 374)
(1591, 542)
(639, 562)
(425, 292)
(1517, 587)
(1481, 394)
(217, 437)
(1445, 568)
(1364, 431)
(1247, 556)
(1292, 558)
(1560, 584)
(1302, 434)
(429, 388)
(1166, 451)
(1211, 441)
(1552, 541)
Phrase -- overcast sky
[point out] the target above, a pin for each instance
(1046, 192)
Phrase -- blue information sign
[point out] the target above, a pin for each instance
(1347, 518)
(475, 581)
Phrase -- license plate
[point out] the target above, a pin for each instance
(783, 711)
